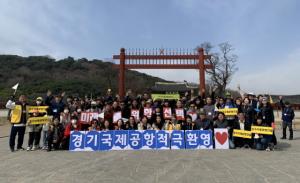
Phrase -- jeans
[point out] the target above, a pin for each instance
(45, 138)
(17, 130)
(262, 143)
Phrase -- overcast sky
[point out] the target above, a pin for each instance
(265, 34)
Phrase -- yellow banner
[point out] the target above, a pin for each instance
(165, 96)
(32, 109)
(229, 111)
(38, 120)
(262, 130)
(242, 133)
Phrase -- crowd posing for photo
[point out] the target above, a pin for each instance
(200, 112)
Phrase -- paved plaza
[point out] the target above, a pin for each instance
(240, 165)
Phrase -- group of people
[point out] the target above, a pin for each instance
(200, 113)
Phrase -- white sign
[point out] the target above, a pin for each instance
(147, 112)
(135, 113)
(221, 138)
(117, 116)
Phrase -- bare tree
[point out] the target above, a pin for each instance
(224, 64)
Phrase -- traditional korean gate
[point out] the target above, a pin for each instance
(161, 59)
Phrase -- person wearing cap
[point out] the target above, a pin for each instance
(18, 120)
(288, 115)
(34, 131)
(253, 101)
(94, 107)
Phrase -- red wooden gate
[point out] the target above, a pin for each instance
(161, 59)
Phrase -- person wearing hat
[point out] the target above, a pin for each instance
(253, 101)
(288, 115)
(34, 131)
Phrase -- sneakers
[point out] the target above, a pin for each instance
(28, 148)
(283, 138)
(270, 147)
(34, 148)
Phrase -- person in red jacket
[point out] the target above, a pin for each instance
(75, 125)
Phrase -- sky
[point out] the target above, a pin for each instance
(265, 34)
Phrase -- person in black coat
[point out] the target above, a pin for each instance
(267, 114)
(242, 124)
(248, 111)
(203, 123)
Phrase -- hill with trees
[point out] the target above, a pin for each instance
(37, 74)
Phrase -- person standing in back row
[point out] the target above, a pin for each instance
(18, 120)
(287, 118)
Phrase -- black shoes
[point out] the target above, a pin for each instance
(20, 149)
(283, 138)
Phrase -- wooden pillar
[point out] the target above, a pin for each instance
(122, 74)
(201, 69)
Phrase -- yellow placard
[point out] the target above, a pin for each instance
(38, 120)
(229, 111)
(16, 114)
(242, 133)
(165, 96)
(32, 109)
(262, 130)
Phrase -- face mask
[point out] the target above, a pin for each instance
(38, 102)
(79, 110)
(66, 111)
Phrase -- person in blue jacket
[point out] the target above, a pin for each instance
(287, 118)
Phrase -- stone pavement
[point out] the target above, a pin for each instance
(241, 165)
